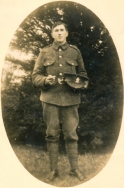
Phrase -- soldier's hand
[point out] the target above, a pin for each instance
(85, 84)
(50, 80)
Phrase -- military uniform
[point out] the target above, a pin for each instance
(60, 101)
(56, 60)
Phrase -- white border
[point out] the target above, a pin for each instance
(12, 13)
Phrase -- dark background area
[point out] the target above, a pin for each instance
(101, 107)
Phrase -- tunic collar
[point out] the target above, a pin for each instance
(63, 46)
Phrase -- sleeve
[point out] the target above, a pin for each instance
(38, 75)
(80, 68)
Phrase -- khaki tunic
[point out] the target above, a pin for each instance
(56, 60)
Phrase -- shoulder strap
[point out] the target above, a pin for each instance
(75, 47)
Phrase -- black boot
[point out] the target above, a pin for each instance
(72, 151)
(53, 174)
(52, 148)
(77, 174)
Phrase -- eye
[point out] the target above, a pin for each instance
(61, 29)
(56, 30)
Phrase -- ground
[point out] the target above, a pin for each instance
(35, 159)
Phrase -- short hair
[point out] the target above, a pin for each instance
(60, 23)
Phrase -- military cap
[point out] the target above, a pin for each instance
(76, 81)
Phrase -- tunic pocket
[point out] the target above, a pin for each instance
(72, 64)
(49, 65)
(49, 62)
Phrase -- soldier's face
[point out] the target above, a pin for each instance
(59, 33)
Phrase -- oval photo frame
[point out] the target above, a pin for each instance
(101, 108)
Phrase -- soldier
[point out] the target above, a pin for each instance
(59, 71)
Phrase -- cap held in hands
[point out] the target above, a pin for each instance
(76, 81)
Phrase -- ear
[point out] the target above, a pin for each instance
(67, 34)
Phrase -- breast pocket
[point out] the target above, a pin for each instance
(71, 65)
(49, 65)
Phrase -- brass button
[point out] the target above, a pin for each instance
(60, 56)
(60, 74)
(72, 63)
(60, 49)
(47, 63)
(60, 65)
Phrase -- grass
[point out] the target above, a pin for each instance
(36, 161)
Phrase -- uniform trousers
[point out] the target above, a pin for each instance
(53, 115)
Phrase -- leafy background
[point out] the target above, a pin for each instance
(101, 107)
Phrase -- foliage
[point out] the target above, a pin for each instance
(101, 108)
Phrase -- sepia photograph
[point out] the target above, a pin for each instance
(62, 94)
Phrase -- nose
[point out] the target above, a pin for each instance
(59, 32)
